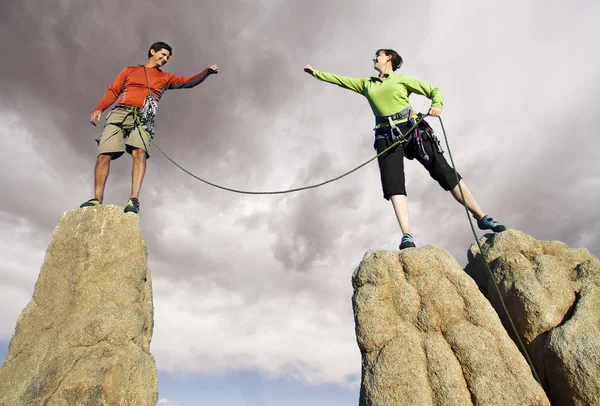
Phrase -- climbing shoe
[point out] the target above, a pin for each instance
(91, 203)
(407, 242)
(488, 223)
(133, 205)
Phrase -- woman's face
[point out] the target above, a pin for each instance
(380, 61)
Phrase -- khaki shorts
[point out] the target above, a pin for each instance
(119, 135)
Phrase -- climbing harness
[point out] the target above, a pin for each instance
(131, 111)
(401, 115)
(137, 123)
(391, 131)
(420, 131)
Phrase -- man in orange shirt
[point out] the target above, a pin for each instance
(130, 124)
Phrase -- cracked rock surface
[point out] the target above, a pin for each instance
(429, 337)
(552, 293)
(84, 339)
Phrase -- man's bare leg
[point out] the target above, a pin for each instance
(101, 175)
(138, 171)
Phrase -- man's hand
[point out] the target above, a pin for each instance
(308, 69)
(435, 111)
(213, 69)
(95, 116)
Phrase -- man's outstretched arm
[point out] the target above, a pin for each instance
(184, 82)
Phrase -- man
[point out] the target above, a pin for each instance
(130, 124)
(388, 93)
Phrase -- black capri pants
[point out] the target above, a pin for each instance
(391, 164)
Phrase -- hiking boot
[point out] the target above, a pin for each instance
(488, 223)
(91, 203)
(407, 242)
(133, 205)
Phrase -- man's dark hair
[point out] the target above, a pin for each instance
(396, 58)
(157, 46)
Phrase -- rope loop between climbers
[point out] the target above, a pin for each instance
(395, 144)
(279, 192)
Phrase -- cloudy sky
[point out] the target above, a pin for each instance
(252, 294)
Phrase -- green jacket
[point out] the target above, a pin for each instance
(388, 96)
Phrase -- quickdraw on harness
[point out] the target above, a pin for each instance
(391, 131)
(424, 129)
(420, 130)
(148, 111)
(131, 111)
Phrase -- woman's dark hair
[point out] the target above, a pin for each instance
(157, 46)
(396, 58)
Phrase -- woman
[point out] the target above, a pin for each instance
(388, 95)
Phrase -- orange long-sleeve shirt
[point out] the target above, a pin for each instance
(131, 88)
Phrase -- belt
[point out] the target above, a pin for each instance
(396, 116)
(125, 107)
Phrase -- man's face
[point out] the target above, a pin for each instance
(160, 57)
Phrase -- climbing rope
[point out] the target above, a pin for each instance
(485, 262)
(420, 118)
(278, 192)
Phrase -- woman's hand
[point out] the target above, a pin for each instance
(435, 111)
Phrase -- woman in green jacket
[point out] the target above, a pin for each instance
(388, 93)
